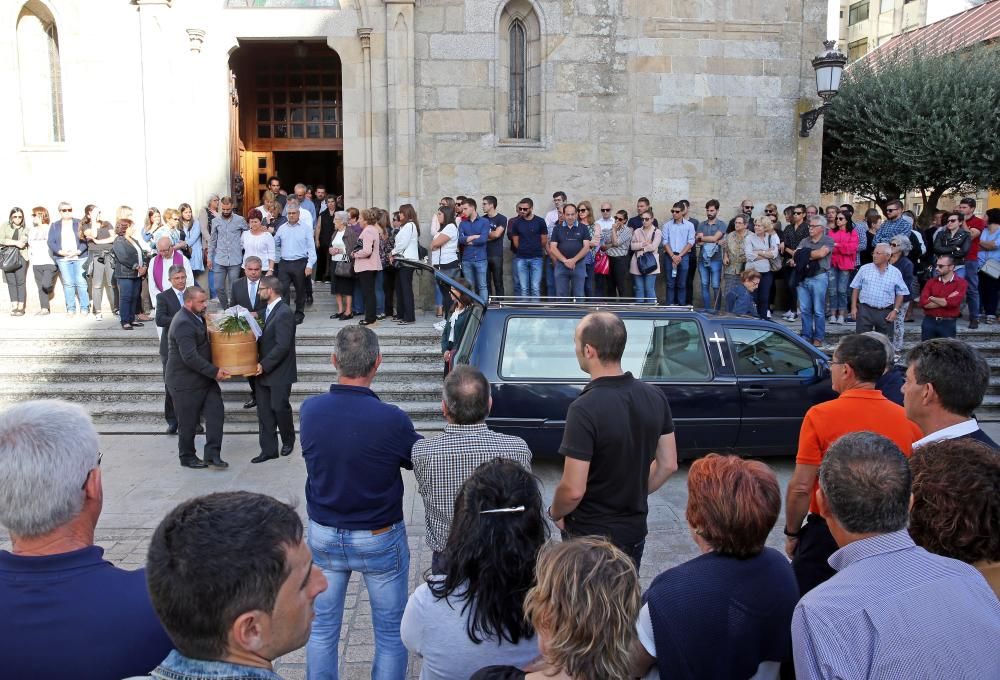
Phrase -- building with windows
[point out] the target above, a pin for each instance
(154, 102)
(867, 24)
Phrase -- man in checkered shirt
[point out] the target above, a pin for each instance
(442, 464)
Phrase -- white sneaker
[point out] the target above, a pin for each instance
(769, 314)
(788, 316)
(840, 320)
(832, 320)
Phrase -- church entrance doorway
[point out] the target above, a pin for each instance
(290, 116)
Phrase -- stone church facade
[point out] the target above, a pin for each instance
(155, 102)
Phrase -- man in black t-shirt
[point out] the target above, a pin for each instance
(619, 444)
(494, 247)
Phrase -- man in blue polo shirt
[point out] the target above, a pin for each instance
(65, 611)
(529, 238)
(569, 243)
(473, 235)
(354, 446)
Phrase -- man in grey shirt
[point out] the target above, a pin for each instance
(812, 284)
(709, 235)
(225, 249)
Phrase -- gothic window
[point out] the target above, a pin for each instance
(519, 74)
(39, 75)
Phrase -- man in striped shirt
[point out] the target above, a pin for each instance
(893, 610)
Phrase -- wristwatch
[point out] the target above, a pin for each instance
(548, 511)
(791, 534)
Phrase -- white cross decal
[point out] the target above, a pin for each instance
(718, 340)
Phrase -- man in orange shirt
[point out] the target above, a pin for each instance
(857, 363)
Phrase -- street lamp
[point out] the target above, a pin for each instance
(829, 66)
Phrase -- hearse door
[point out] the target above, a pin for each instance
(778, 381)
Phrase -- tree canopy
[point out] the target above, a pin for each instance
(915, 121)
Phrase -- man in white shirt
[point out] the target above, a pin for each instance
(946, 380)
(307, 211)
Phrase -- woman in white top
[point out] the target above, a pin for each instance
(761, 247)
(258, 242)
(444, 251)
(406, 247)
(341, 246)
(40, 257)
(472, 614)
(440, 297)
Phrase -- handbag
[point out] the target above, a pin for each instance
(602, 265)
(646, 263)
(343, 269)
(991, 268)
(10, 256)
(777, 262)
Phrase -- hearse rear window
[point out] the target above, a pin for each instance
(657, 349)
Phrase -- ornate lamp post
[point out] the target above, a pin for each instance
(829, 65)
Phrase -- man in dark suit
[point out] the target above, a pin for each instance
(275, 373)
(193, 382)
(245, 293)
(168, 303)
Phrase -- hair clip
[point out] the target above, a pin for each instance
(519, 508)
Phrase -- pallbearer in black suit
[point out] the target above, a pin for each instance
(245, 293)
(168, 303)
(275, 373)
(193, 382)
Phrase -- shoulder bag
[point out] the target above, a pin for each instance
(990, 268)
(646, 263)
(10, 256)
(777, 262)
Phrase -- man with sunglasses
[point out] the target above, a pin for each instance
(941, 300)
(65, 610)
(529, 237)
(746, 209)
(895, 223)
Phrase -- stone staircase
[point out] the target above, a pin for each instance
(116, 375)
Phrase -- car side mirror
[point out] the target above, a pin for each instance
(822, 368)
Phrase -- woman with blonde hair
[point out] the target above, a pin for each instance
(100, 236)
(368, 261)
(341, 271)
(583, 608)
(585, 213)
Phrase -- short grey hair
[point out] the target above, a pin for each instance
(901, 242)
(300, 185)
(880, 245)
(890, 351)
(467, 395)
(866, 481)
(291, 203)
(817, 221)
(254, 259)
(47, 449)
(356, 351)
(176, 269)
(341, 215)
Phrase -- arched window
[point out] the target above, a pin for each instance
(40, 75)
(517, 123)
(519, 74)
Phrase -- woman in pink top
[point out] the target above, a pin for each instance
(845, 250)
(368, 262)
(645, 239)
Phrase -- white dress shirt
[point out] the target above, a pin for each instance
(951, 432)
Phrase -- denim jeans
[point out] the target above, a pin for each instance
(74, 284)
(128, 293)
(762, 295)
(570, 282)
(645, 287)
(972, 292)
(588, 281)
(357, 300)
(528, 272)
(812, 306)
(475, 271)
(710, 272)
(379, 293)
(932, 328)
(384, 562)
(840, 282)
(549, 272)
(676, 285)
(225, 275)
(211, 284)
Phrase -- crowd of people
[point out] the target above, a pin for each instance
(892, 519)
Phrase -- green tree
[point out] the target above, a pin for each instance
(915, 120)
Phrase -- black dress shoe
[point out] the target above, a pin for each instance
(171, 429)
(219, 464)
(260, 458)
(298, 321)
(250, 403)
(309, 300)
(286, 449)
(200, 429)
(196, 463)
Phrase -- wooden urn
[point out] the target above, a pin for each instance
(235, 353)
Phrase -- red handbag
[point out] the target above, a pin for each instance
(602, 265)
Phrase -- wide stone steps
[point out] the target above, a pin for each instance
(32, 370)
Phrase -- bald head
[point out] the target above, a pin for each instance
(605, 333)
(165, 247)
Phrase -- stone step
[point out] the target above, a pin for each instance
(55, 339)
(43, 372)
(232, 390)
(428, 428)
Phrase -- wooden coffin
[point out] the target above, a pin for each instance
(234, 352)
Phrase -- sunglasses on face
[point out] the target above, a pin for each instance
(605, 209)
(953, 219)
(647, 219)
(748, 208)
(619, 219)
(675, 211)
(770, 212)
(522, 210)
(584, 210)
(797, 212)
(65, 210)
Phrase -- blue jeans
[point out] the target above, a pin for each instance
(645, 287)
(379, 294)
(570, 282)
(528, 272)
(211, 284)
(74, 284)
(384, 562)
(549, 272)
(812, 306)
(588, 282)
(840, 282)
(475, 272)
(225, 276)
(128, 292)
(710, 272)
(972, 292)
(357, 300)
(676, 285)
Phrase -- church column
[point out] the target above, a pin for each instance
(400, 108)
(368, 189)
(157, 82)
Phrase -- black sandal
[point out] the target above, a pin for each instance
(126, 326)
